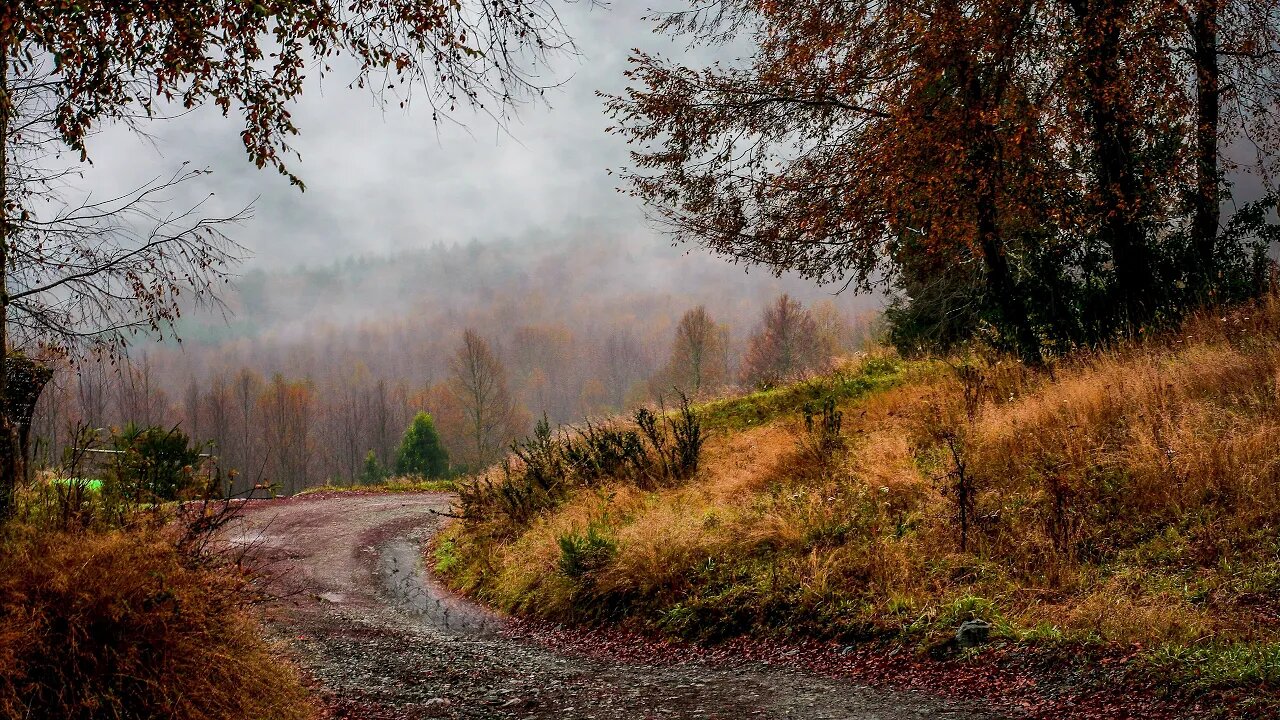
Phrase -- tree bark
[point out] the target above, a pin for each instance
(8, 446)
(1208, 195)
(1119, 193)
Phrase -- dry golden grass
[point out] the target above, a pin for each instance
(117, 624)
(1131, 495)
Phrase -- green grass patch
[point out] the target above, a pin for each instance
(763, 406)
(447, 558)
(1216, 665)
(394, 485)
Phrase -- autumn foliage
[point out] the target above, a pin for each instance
(1042, 174)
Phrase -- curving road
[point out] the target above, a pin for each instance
(383, 640)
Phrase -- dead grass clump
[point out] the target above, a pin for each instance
(118, 624)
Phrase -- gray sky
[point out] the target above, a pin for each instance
(384, 179)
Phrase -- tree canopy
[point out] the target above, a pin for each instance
(1047, 172)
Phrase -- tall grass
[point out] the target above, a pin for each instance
(1122, 496)
(120, 624)
(112, 607)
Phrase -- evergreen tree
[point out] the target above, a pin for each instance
(373, 472)
(421, 452)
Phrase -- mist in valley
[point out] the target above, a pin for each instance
(346, 315)
(307, 370)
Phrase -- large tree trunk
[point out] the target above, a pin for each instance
(24, 382)
(983, 97)
(1208, 198)
(8, 436)
(1120, 200)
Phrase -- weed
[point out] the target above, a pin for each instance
(581, 555)
(822, 444)
(447, 559)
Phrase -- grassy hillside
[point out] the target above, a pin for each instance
(1122, 498)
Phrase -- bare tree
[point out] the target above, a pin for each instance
(479, 382)
(352, 413)
(216, 409)
(624, 364)
(785, 346)
(699, 353)
(383, 427)
(91, 393)
(288, 409)
(138, 397)
(82, 276)
(837, 335)
(248, 387)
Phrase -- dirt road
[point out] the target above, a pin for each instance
(383, 640)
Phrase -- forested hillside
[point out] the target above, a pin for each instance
(312, 368)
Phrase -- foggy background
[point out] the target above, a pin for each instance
(342, 323)
(382, 179)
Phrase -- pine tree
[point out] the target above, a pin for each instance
(373, 472)
(421, 452)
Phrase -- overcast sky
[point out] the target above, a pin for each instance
(383, 179)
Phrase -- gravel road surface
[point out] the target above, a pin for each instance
(382, 639)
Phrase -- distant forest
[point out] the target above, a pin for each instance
(315, 367)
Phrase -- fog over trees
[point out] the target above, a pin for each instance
(312, 368)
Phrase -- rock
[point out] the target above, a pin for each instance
(513, 703)
(436, 707)
(973, 633)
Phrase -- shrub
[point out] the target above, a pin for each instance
(153, 463)
(580, 555)
(545, 467)
(373, 471)
(821, 443)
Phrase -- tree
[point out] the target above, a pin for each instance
(351, 422)
(373, 471)
(421, 452)
(625, 363)
(287, 408)
(153, 463)
(837, 336)
(1044, 175)
(785, 345)
(99, 273)
(543, 356)
(479, 382)
(699, 353)
(450, 418)
(1234, 47)
(828, 163)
